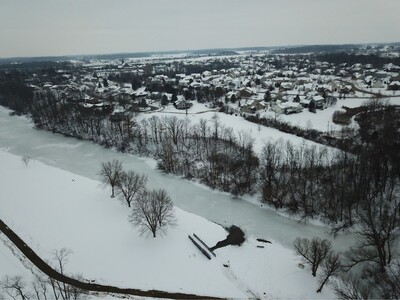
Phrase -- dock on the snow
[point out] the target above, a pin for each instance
(201, 246)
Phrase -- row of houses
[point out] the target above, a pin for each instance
(293, 83)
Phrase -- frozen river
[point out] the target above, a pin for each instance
(84, 158)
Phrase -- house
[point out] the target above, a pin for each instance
(140, 93)
(251, 106)
(319, 102)
(286, 86)
(346, 89)
(235, 95)
(287, 108)
(368, 79)
(325, 88)
(305, 102)
(391, 67)
(246, 92)
(206, 74)
(182, 104)
(394, 85)
(378, 84)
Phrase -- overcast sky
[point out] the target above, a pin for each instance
(63, 27)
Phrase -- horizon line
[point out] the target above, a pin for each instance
(189, 50)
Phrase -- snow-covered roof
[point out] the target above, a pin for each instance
(318, 98)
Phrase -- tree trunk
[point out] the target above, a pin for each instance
(322, 284)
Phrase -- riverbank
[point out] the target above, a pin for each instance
(57, 209)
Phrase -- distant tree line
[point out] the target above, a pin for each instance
(316, 49)
(375, 60)
(15, 94)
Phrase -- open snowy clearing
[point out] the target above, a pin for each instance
(51, 209)
(322, 119)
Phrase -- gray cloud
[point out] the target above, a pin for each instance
(58, 27)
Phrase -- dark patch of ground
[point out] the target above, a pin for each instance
(263, 241)
(235, 237)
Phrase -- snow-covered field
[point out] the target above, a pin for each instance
(322, 119)
(51, 209)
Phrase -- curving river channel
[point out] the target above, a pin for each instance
(17, 136)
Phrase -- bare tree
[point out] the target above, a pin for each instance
(43, 287)
(62, 290)
(130, 185)
(330, 267)
(379, 224)
(110, 172)
(61, 258)
(167, 157)
(26, 159)
(15, 288)
(391, 286)
(153, 212)
(174, 128)
(351, 289)
(313, 252)
(39, 286)
(164, 209)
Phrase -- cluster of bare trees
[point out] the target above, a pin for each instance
(219, 157)
(318, 253)
(346, 189)
(338, 186)
(14, 93)
(208, 150)
(42, 287)
(364, 283)
(152, 211)
(361, 188)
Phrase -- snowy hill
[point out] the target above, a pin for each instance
(51, 209)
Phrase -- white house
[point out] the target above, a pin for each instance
(287, 108)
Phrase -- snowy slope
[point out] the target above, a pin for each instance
(51, 209)
(9, 264)
(322, 119)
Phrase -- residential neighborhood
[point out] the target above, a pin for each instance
(263, 145)
(258, 83)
